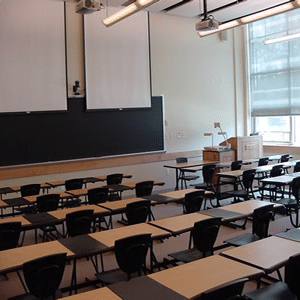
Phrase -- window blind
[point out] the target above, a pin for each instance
(274, 68)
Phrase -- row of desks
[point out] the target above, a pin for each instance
(190, 280)
(100, 242)
(53, 184)
(65, 196)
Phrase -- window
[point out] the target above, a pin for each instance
(275, 78)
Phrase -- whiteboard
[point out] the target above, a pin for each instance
(117, 62)
(32, 56)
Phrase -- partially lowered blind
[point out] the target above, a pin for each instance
(275, 68)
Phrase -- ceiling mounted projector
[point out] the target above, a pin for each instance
(88, 6)
(207, 24)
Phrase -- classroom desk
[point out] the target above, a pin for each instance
(103, 293)
(268, 254)
(179, 224)
(187, 281)
(178, 166)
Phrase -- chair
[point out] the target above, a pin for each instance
(291, 204)
(74, 184)
(144, 188)
(287, 290)
(246, 183)
(272, 189)
(46, 203)
(203, 235)
(193, 202)
(9, 235)
(231, 291)
(96, 196)
(235, 165)
(79, 222)
(284, 158)
(183, 178)
(43, 276)
(114, 179)
(138, 212)
(297, 167)
(131, 255)
(30, 189)
(261, 162)
(208, 172)
(260, 227)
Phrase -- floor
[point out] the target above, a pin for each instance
(12, 286)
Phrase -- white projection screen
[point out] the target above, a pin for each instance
(32, 56)
(117, 62)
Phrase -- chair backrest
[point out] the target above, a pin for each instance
(292, 274)
(47, 202)
(193, 201)
(79, 222)
(263, 161)
(276, 171)
(9, 235)
(144, 188)
(236, 165)
(43, 275)
(284, 158)
(248, 177)
(261, 220)
(131, 253)
(208, 172)
(204, 235)
(181, 160)
(232, 290)
(30, 189)
(98, 195)
(137, 212)
(297, 167)
(114, 179)
(296, 187)
(74, 184)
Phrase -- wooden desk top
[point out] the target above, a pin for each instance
(180, 194)
(98, 294)
(3, 204)
(192, 279)
(61, 213)
(79, 192)
(23, 221)
(13, 259)
(246, 207)
(119, 204)
(108, 237)
(233, 174)
(267, 254)
(180, 224)
(189, 164)
(282, 180)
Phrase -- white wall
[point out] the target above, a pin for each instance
(196, 76)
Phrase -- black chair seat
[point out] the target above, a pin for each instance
(114, 276)
(188, 255)
(288, 202)
(244, 239)
(275, 291)
(190, 177)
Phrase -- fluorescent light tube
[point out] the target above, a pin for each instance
(127, 11)
(283, 38)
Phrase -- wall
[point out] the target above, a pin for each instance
(201, 81)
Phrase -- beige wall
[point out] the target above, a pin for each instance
(202, 81)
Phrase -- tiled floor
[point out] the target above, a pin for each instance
(12, 287)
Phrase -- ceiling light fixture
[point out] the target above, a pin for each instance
(127, 11)
(283, 38)
(253, 17)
